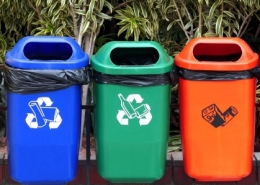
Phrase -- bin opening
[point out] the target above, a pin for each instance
(47, 51)
(134, 56)
(209, 52)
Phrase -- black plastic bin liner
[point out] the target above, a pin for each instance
(33, 81)
(132, 80)
(216, 75)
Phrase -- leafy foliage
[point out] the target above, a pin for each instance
(174, 141)
(140, 19)
(170, 22)
(174, 22)
(80, 19)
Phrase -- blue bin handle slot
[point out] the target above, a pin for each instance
(47, 52)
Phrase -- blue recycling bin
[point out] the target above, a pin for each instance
(43, 126)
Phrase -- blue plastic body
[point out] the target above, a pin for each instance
(43, 129)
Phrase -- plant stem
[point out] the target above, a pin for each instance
(119, 6)
(200, 19)
(245, 24)
(36, 9)
(180, 18)
(80, 34)
(84, 87)
(74, 19)
(257, 31)
(222, 14)
(188, 13)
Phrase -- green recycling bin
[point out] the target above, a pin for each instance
(131, 110)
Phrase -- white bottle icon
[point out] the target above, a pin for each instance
(127, 107)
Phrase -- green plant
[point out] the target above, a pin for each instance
(174, 141)
(172, 22)
(258, 95)
(101, 41)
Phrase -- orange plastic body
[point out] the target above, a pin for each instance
(217, 117)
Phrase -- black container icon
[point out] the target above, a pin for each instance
(215, 117)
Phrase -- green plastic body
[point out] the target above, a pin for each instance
(131, 153)
(131, 123)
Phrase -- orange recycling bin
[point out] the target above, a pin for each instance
(217, 90)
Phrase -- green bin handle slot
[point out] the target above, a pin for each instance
(101, 61)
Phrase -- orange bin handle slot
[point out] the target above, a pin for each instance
(217, 54)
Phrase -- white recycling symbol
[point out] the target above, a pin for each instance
(142, 112)
(43, 113)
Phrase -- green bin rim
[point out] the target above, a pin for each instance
(101, 61)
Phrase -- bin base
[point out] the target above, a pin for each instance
(133, 181)
(44, 184)
(218, 180)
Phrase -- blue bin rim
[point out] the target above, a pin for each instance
(16, 58)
